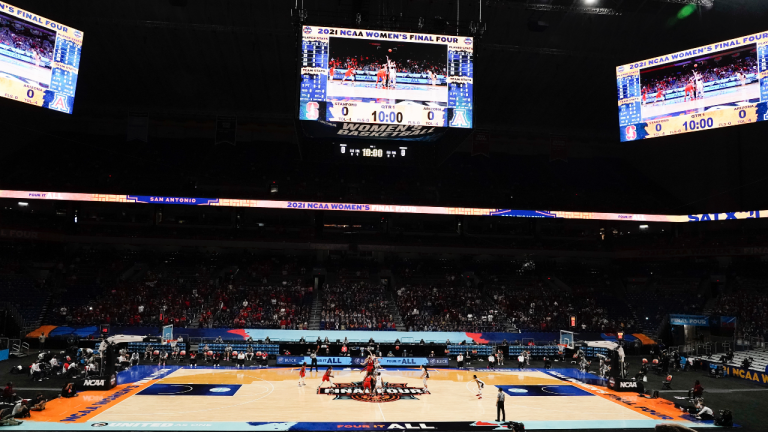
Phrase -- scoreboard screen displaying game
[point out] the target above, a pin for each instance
(717, 85)
(378, 78)
(39, 59)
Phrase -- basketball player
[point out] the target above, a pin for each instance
(327, 377)
(480, 385)
(302, 372)
(381, 75)
(425, 376)
(349, 73)
(249, 353)
(659, 96)
(688, 91)
(432, 77)
(193, 359)
(216, 359)
(176, 353)
(240, 360)
(699, 85)
(148, 352)
(228, 353)
(331, 71)
(379, 385)
(367, 384)
(392, 73)
(742, 77)
(644, 91)
(162, 359)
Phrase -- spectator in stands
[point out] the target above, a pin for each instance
(747, 363)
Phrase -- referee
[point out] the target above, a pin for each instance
(500, 406)
(313, 356)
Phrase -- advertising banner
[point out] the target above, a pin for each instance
(692, 320)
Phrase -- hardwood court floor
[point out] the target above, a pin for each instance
(273, 395)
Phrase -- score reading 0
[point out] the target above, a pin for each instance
(391, 114)
(718, 85)
(379, 77)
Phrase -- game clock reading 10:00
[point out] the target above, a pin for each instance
(718, 85)
(378, 77)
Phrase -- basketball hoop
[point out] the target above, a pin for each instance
(171, 342)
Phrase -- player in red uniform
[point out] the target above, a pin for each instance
(645, 94)
(659, 96)
(381, 75)
(349, 73)
(326, 377)
(367, 384)
(331, 71)
(302, 372)
(688, 91)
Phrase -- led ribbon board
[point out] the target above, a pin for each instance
(379, 208)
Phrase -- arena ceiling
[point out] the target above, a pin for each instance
(541, 64)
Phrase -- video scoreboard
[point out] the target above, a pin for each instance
(395, 83)
(718, 85)
(39, 59)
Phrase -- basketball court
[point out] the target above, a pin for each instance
(654, 110)
(359, 91)
(151, 397)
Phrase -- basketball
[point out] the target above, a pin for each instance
(390, 50)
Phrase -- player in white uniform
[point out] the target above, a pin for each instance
(425, 376)
(699, 85)
(431, 77)
(392, 73)
(379, 385)
(742, 77)
(480, 385)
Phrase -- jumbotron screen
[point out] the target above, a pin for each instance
(718, 85)
(39, 59)
(386, 78)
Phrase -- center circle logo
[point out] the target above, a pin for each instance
(517, 390)
(220, 389)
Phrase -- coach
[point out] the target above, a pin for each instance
(500, 406)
